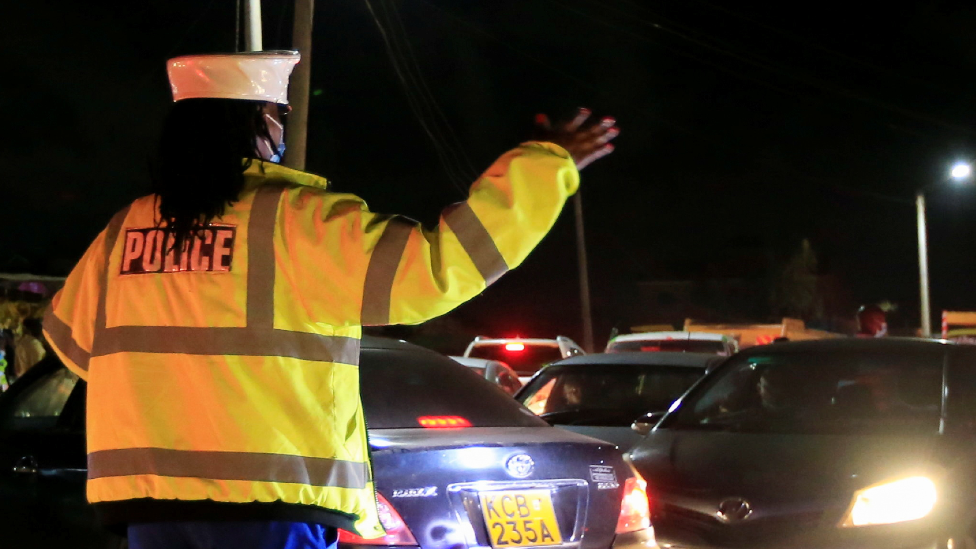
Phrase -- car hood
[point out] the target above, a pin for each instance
(776, 467)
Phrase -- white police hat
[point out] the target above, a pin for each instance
(256, 76)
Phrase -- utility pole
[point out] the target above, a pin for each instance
(253, 40)
(923, 264)
(584, 276)
(297, 134)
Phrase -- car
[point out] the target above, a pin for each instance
(457, 464)
(525, 356)
(690, 342)
(602, 395)
(840, 443)
(494, 371)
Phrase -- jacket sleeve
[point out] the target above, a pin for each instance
(351, 266)
(69, 323)
(416, 274)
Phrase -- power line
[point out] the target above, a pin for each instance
(773, 67)
(463, 161)
(583, 84)
(809, 179)
(643, 38)
(792, 36)
(726, 69)
(815, 45)
(415, 105)
(570, 77)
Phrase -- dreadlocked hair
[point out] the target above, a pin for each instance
(206, 146)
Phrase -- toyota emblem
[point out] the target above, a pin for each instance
(520, 465)
(734, 510)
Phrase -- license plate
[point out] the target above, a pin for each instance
(520, 518)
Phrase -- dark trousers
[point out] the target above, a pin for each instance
(231, 535)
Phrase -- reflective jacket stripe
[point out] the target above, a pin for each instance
(111, 236)
(227, 341)
(476, 241)
(60, 334)
(261, 257)
(258, 467)
(259, 338)
(383, 264)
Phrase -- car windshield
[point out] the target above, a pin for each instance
(604, 394)
(836, 392)
(668, 345)
(526, 360)
(399, 387)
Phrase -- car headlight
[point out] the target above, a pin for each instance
(896, 501)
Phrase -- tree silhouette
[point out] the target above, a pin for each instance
(795, 291)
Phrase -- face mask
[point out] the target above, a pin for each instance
(276, 157)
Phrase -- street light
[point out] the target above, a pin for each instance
(960, 171)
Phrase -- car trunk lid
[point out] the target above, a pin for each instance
(527, 486)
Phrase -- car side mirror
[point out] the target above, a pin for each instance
(646, 422)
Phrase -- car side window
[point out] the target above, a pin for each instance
(509, 382)
(39, 406)
(537, 401)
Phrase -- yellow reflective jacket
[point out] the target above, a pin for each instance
(223, 378)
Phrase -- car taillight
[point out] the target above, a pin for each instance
(443, 422)
(635, 509)
(515, 347)
(397, 532)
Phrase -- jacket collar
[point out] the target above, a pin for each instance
(262, 173)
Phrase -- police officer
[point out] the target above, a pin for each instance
(217, 321)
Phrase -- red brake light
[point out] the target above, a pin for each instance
(397, 532)
(515, 347)
(635, 508)
(443, 422)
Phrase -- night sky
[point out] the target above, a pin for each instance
(745, 129)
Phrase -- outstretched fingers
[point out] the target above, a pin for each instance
(607, 136)
(584, 142)
(594, 156)
(581, 116)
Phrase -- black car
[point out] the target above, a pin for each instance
(850, 443)
(458, 463)
(602, 395)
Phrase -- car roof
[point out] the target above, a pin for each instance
(707, 336)
(892, 344)
(503, 340)
(476, 362)
(691, 360)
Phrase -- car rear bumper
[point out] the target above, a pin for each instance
(641, 539)
(885, 545)
(806, 542)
